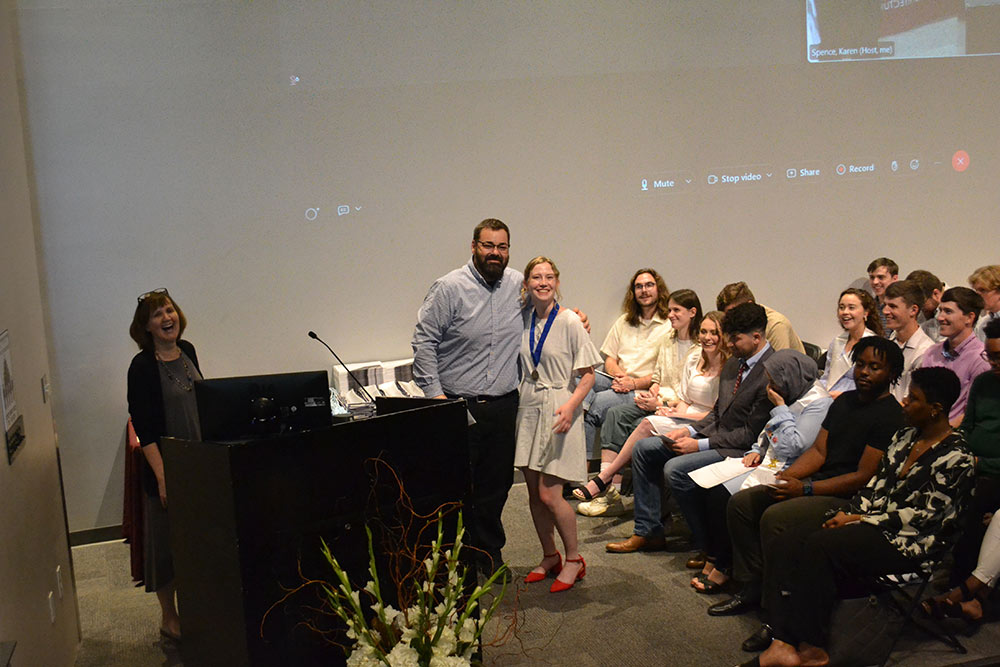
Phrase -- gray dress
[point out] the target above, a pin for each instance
(181, 412)
(567, 348)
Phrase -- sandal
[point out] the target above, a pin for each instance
(709, 587)
(946, 606)
(955, 609)
(937, 606)
(702, 577)
(583, 494)
(539, 576)
(934, 607)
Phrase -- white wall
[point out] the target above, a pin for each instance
(32, 522)
(172, 150)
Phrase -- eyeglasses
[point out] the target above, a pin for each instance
(158, 290)
(991, 358)
(641, 286)
(490, 247)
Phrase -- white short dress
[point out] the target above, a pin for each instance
(697, 390)
(566, 349)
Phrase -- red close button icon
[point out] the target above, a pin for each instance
(960, 161)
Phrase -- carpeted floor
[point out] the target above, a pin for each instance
(631, 609)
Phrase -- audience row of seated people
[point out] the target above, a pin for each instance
(874, 460)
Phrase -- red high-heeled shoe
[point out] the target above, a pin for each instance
(539, 576)
(558, 586)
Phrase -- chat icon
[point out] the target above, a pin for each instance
(343, 209)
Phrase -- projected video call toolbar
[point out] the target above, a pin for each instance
(802, 171)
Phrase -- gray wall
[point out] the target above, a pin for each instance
(172, 149)
(32, 522)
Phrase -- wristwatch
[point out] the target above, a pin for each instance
(807, 488)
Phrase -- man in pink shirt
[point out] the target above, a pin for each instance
(959, 349)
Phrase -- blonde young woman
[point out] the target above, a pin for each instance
(557, 363)
(699, 387)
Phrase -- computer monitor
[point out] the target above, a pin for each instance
(241, 408)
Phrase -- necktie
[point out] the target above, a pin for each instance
(739, 376)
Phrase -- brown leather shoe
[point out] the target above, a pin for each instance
(697, 561)
(637, 543)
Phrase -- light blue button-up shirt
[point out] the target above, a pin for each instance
(468, 335)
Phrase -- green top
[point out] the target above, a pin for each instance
(981, 424)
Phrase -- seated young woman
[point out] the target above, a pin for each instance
(969, 600)
(857, 315)
(798, 413)
(903, 519)
(699, 387)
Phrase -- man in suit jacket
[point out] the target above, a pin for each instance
(738, 416)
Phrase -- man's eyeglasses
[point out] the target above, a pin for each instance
(490, 247)
(146, 295)
(641, 286)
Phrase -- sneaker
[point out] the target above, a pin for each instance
(610, 504)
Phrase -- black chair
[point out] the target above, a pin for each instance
(816, 353)
(904, 593)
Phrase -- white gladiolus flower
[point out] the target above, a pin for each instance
(448, 661)
(363, 656)
(391, 614)
(403, 656)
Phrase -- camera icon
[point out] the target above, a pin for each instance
(790, 173)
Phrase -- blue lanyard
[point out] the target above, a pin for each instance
(536, 352)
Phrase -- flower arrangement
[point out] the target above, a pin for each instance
(436, 627)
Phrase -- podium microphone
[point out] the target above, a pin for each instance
(312, 334)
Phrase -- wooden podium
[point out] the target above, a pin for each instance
(246, 520)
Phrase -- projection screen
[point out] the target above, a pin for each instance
(291, 166)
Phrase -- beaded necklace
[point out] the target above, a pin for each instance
(190, 381)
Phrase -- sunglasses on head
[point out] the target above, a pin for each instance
(146, 295)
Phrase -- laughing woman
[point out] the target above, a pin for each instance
(857, 314)
(557, 364)
(161, 403)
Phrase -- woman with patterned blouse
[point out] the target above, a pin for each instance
(904, 518)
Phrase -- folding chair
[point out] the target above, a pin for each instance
(907, 604)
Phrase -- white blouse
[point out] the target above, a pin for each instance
(698, 390)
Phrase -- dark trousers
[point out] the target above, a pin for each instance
(829, 562)
(717, 545)
(491, 457)
(755, 519)
(785, 527)
(985, 499)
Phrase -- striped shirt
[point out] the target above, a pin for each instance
(468, 335)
